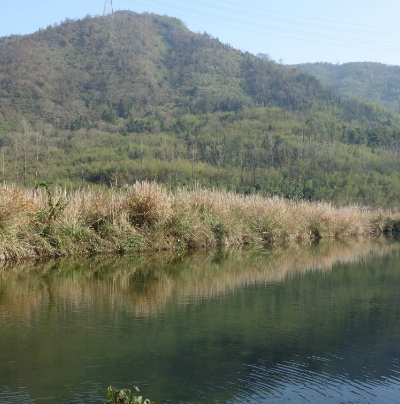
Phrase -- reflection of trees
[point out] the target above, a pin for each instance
(160, 318)
(144, 285)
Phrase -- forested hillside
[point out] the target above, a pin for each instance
(375, 82)
(112, 100)
(139, 64)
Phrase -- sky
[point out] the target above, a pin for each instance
(290, 31)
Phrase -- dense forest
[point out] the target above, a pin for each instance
(375, 82)
(109, 101)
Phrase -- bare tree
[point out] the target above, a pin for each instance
(20, 143)
(219, 148)
(49, 142)
(25, 134)
(82, 153)
(194, 149)
(38, 139)
(141, 161)
(3, 163)
(242, 164)
(78, 108)
(16, 144)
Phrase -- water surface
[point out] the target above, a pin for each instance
(317, 323)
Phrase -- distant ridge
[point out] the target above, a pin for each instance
(375, 82)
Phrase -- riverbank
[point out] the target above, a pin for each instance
(145, 217)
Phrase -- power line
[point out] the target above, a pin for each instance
(305, 17)
(273, 28)
(312, 35)
(293, 22)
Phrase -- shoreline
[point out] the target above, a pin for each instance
(47, 222)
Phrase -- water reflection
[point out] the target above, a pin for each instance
(145, 284)
(317, 323)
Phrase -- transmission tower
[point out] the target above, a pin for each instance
(108, 8)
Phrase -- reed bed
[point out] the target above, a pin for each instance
(145, 216)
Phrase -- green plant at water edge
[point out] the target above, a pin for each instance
(133, 243)
(124, 397)
(54, 211)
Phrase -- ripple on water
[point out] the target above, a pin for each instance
(291, 381)
(236, 330)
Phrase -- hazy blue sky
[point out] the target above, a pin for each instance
(295, 31)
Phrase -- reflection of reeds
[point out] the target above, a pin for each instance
(147, 217)
(144, 285)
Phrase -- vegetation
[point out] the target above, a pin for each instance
(124, 397)
(139, 66)
(375, 82)
(107, 102)
(147, 217)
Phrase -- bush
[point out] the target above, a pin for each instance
(124, 397)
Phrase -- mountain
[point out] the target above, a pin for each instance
(375, 82)
(108, 101)
(136, 64)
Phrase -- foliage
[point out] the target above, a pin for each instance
(375, 82)
(53, 210)
(139, 64)
(124, 397)
(264, 150)
(140, 97)
(132, 65)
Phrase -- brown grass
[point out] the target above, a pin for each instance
(147, 217)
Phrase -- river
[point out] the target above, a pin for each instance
(313, 323)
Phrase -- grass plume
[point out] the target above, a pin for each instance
(146, 216)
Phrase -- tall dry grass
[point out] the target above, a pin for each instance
(147, 217)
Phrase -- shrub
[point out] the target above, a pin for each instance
(124, 397)
(147, 205)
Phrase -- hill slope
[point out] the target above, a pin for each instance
(138, 64)
(375, 82)
(109, 101)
